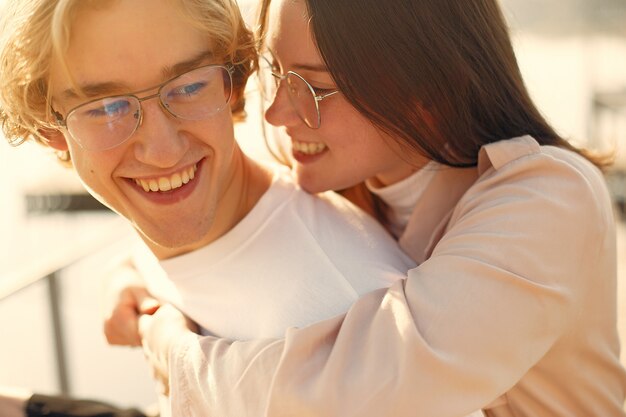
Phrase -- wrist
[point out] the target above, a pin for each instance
(14, 402)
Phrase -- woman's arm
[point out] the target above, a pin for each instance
(500, 288)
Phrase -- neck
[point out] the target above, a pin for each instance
(247, 183)
(247, 186)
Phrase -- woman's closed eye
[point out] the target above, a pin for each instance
(321, 91)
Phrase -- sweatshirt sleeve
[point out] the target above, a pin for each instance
(499, 289)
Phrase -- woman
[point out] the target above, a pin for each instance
(512, 306)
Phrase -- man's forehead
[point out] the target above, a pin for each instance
(87, 88)
(124, 47)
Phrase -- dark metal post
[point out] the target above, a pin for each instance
(57, 328)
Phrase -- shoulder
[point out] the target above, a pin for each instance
(327, 208)
(544, 196)
(350, 237)
(524, 154)
(520, 165)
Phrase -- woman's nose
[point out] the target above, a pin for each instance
(280, 111)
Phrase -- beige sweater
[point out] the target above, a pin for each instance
(511, 309)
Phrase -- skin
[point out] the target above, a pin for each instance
(353, 149)
(125, 298)
(209, 205)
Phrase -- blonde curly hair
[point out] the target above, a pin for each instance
(34, 32)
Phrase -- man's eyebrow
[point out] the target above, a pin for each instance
(114, 87)
(202, 58)
(94, 90)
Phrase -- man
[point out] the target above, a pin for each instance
(145, 115)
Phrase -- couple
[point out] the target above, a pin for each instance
(417, 110)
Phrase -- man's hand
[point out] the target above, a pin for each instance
(13, 401)
(127, 298)
(158, 332)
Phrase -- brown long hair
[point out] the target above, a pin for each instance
(440, 76)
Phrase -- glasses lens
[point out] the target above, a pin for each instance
(198, 94)
(268, 83)
(105, 123)
(302, 99)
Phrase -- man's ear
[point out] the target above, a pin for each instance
(54, 138)
(234, 100)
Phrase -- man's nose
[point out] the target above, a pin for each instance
(159, 141)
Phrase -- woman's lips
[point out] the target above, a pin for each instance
(308, 148)
(307, 152)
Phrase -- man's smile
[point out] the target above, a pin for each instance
(167, 183)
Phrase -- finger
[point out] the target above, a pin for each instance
(121, 327)
(143, 324)
(165, 386)
(192, 325)
(147, 304)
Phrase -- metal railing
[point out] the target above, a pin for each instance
(49, 269)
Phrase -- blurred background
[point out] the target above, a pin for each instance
(56, 242)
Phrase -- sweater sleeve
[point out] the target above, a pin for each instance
(500, 288)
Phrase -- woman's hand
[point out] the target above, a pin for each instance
(158, 332)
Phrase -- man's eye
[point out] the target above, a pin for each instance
(109, 109)
(187, 90)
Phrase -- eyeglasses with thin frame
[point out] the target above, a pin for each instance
(105, 123)
(303, 97)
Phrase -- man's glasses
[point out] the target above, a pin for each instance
(105, 123)
(304, 98)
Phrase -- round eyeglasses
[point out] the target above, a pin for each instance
(105, 123)
(303, 97)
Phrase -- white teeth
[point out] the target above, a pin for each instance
(174, 181)
(309, 148)
(164, 184)
(144, 184)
